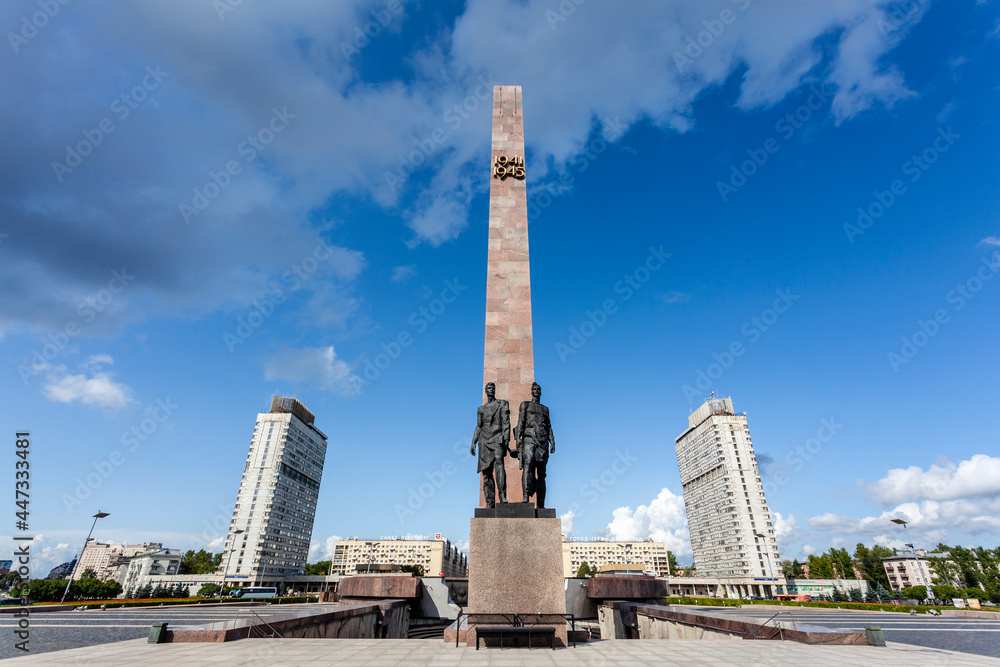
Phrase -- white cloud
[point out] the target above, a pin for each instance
(990, 240)
(786, 531)
(401, 274)
(318, 366)
(443, 219)
(98, 390)
(977, 476)
(567, 523)
(673, 296)
(222, 82)
(808, 549)
(931, 519)
(323, 550)
(663, 520)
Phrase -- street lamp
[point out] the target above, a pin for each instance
(766, 555)
(228, 561)
(99, 515)
(905, 530)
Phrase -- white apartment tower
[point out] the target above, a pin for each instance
(276, 504)
(731, 530)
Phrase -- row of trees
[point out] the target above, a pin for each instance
(840, 564)
(85, 588)
(159, 591)
(976, 569)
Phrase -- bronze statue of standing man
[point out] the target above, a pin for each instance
(493, 435)
(533, 435)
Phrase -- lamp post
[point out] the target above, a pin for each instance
(229, 560)
(905, 530)
(766, 555)
(99, 515)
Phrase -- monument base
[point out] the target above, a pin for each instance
(515, 511)
(516, 569)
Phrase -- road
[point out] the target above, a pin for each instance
(970, 635)
(53, 631)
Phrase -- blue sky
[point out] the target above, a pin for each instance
(202, 208)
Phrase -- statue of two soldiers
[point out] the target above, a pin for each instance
(533, 435)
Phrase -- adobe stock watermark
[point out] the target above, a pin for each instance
(87, 308)
(564, 10)
(901, 14)
(156, 414)
(248, 149)
(596, 486)
(714, 28)
(752, 330)
(223, 7)
(958, 297)
(434, 480)
(261, 309)
(420, 320)
(454, 116)
(796, 459)
(629, 284)
(785, 127)
(122, 107)
(363, 35)
(914, 168)
(541, 199)
(33, 23)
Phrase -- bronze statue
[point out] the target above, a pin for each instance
(493, 435)
(533, 435)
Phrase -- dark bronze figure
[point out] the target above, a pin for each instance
(493, 435)
(533, 435)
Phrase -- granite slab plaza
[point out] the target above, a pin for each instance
(267, 652)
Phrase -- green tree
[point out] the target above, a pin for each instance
(199, 562)
(855, 595)
(416, 569)
(690, 571)
(585, 570)
(841, 563)
(870, 563)
(914, 592)
(208, 590)
(320, 568)
(820, 567)
(88, 574)
(9, 580)
(672, 562)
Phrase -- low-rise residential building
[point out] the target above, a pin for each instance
(437, 556)
(908, 568)
(105, 559)
(651, 557)
(151, 567)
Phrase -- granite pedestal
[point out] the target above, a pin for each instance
(515, 568)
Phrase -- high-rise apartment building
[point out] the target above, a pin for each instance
(273, 519)
(731, 530)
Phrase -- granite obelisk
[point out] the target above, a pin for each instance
(508, 361)
(515, 550)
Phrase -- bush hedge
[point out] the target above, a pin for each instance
(862, 606)
(167, 602)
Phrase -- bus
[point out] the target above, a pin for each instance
(255, 592)
(798, 597)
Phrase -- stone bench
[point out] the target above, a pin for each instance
(501, 631)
